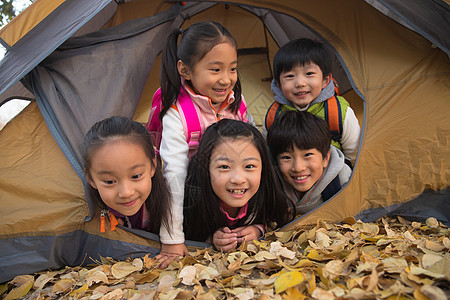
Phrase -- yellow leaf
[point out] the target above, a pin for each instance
(262, 244)
(24, 283)
(3, 288)
(375, 238)
(293, 294)
(79, 292)
(287, 280)
(311, 284)
(316, 255)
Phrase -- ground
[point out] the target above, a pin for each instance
(389, 259)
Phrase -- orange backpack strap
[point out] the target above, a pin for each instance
(333, 115)
(336, 87)
(271, 114)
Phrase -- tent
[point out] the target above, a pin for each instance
(80, 61)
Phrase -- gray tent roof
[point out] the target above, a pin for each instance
(431, 19)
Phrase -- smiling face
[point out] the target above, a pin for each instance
(235, 169)
(302, 84)
(122, 173)
(302, 168)
(215, 75)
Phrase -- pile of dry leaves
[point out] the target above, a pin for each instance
(390, 259)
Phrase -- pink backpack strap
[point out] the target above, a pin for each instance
(190, 119)
(154, 126)
(243, 110)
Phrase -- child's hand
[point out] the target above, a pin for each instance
(224, 239)
(247, 233)
(170, 252)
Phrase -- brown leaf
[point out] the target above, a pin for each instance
(432, 222)
(122, 269)
(96, 277)
(63, 286)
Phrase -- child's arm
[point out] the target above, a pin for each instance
(350, 135)
(174, 153)
(224, 239)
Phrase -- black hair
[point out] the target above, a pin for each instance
(299, 53)
(301, 129)
(158, 203)
(195, 42)
(202, 216)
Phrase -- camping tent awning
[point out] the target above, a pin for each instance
(54, 29)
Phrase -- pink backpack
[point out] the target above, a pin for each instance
(192, 126)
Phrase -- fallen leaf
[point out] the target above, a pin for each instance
(114, 294)
(287, 280)
(96, 277)
(430, 259)
(206, 273)
(433, 246)
(80, 292)
(419, 271)
(322, 294)
(43, 279)
(277, 249)
(432, 292)
(432, 222)
(333, 269)
(122, 269)
(23, 285)
(63, 286)
(446, 242)
(165, 283)
(138, 264)
(322, 240)
(263, 255)
(187, 274)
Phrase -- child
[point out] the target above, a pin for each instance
(230, 193)
(124, 176)
(302, 81)
(311, 172)
(203, 67)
